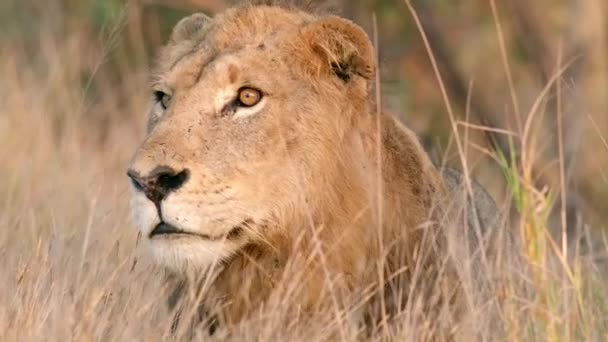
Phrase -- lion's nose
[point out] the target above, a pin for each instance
(159, 182)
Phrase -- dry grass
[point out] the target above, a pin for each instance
(72, 269)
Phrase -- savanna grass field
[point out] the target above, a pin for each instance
(515, 93)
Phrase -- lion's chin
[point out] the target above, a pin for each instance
(189, 253)
(183, 250)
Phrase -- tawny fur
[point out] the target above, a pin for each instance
(327, 184)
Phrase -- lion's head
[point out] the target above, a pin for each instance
(253, 123)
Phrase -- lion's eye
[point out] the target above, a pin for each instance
(163, 98)
(249, 97)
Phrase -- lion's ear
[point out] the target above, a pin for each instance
(342, 47)
(190, 27)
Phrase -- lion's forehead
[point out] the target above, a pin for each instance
(245, 24)
(234, 30)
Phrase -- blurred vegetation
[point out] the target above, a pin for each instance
(120, 39)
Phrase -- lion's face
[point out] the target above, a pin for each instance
(239, 128)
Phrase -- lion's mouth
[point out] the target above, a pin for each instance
(164, 229)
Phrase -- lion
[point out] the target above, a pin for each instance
(267, 162)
